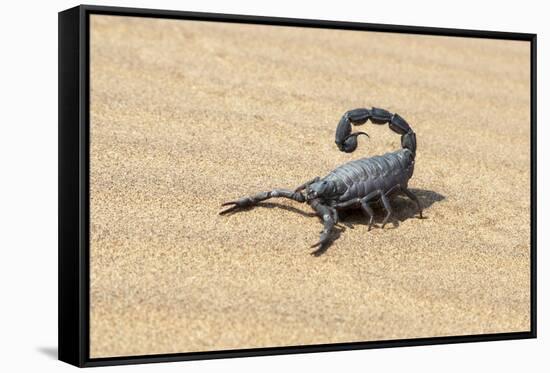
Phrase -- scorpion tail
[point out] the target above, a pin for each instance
(347, 141)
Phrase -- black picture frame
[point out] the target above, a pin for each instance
(74, 40)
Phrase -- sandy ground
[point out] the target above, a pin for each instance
(186, 115)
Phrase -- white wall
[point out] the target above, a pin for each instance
(28, 196)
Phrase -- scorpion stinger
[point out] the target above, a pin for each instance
(347, 141)
(360, 183)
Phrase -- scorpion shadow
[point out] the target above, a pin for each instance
(403, 209)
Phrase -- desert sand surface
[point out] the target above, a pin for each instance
(186, 115)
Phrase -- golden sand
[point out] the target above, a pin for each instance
(186, 115)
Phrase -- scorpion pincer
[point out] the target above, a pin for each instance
(355, 184)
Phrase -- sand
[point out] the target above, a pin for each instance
(186, 115)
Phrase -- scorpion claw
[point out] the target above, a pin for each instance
(232, 208)
(240, 203)
(323, 240)
(322, 248)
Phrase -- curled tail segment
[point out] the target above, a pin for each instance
(347, 141)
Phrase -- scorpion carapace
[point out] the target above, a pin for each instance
(355, 184)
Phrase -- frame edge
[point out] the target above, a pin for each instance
(533, 141)
(70, 307)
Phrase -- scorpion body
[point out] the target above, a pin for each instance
(355, 184)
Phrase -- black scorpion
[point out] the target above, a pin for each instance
(355, 184)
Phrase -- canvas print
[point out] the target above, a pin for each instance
(259, 186)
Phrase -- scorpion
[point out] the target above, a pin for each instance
(356, 184)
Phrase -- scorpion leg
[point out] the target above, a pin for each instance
(386, 203)
(334, 213)
(414, 198)
(363, 202)
(349, 203)
(262, 196)
(327, 214)
(409, 194)
(368, 211)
